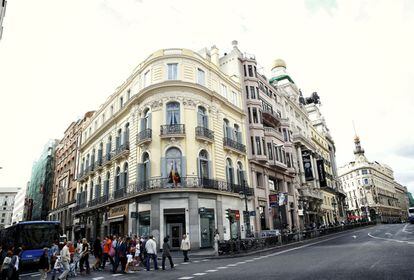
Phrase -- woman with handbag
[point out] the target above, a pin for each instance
(84, 256)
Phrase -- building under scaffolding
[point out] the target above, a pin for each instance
(39, 191)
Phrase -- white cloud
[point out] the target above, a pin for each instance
(59, 59)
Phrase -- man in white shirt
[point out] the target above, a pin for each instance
(65, 257)
(151, 248)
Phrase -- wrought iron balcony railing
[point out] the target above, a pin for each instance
(144, 136)
(230, 143)
(204, 133)
(172, 130)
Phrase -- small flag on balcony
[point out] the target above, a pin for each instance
(174, 175)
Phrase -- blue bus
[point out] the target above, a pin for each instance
(32, 237)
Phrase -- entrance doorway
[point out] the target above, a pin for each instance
(117, 228)
(174, 226)
(207, 228)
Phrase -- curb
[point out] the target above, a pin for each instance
(285, 245)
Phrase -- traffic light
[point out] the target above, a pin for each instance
(229, 215)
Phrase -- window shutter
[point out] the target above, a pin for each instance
(231, 170)
(163, 168)
(117, 142)
(210, 173)
(149, 120)
(183, 167)
(199, 119)
(99, 155)
(142, 124)
(199, 168)
(148, 170)
(239, 137)
(140, 173)
(106, 187)
(126, 136)
(108, 148)
(121, 180)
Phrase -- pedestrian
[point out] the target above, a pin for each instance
(122, 254)
(54, 252)
(97, 252)
(137, 255)
(185, 246)
(3, 254)
(216, 241)
(166, 253)
(108, 252)
(44, 265)
(6, 269)
(65, 259)
(151, 248)
(15, 264)
(84, 256)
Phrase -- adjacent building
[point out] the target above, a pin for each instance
(371, 189)
(2, 14)
(39, 191)
(64, 187)
(7, 200)
(19, 205)
(166, 154)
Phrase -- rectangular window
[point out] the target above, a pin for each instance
(201, 77)
(147, 78)
(255, 72)
(247, 92)
(252, 92)
(264, 146)
(172, 71)
(128, 94)
(252, 144)
(224, 90)
(365, 181)
(259, 179)
(270, 151)
(121, 102)
(250, 69)
(364, 171)
(285, 135)
(244, 67)
(258, 146)
(255, 116)
(250, 116)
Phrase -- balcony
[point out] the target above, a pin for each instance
(205, 134)
(97, 201)
(107, 159)
(144, 136)
(83, 175)
(121, 152)
(270, 117)
(278, 164)
(272, 132)
(300, 138)
(91, 168)
(311, 193)
(172, 130)
(234, 145)
(120, 193)
(99, 164)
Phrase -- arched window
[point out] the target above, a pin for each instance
(93, 158)
(98, 188)
(90, 190)
(125, 176)
(100, 151)
(173, 165)
(203, 165)
(240, 173)
(126, 134)
(87, 161)
(117, 178)
(106, 183)
(83, 167)
(118, 139)
(237, 134)
(108, 148)
(202, 118)
(226, 128)
(173, 113)
(146, 120)
(229, 172)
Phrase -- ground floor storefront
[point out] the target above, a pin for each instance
(168, 214)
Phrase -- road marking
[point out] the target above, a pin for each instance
(222, 267)
(97, 278)
(186, 277)
(199, 274)
(405, 229)
(387, 233)
(250, 261)
(374, 264)
(257, 258)
(241, 262)
(185, 263)
(212, 270)
(118, 274)
(205, 260)
(354, 236)
(196, 261)
(389, 239)
(35, 275)
(233, 264)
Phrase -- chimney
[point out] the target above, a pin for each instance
(215, 55)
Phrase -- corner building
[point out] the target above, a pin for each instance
(165, 154)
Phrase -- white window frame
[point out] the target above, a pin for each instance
(147, 78)
(171, 74)
(201, 79)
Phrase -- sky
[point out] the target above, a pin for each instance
(60, 59)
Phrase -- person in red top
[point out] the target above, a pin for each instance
(107, 252)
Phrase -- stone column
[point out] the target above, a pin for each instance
(155, 217)
(301, 170)
(219, 215)
(194, 220)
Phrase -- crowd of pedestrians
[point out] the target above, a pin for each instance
(114, 253)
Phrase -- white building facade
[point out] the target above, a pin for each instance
(7, 199)
(18, 208)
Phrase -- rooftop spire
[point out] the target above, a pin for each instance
(358, 149)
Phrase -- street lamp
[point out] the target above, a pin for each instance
(244, 195)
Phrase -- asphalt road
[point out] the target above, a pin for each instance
(379, 252)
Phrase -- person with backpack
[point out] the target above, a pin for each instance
(44, 265)
(166, 253)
